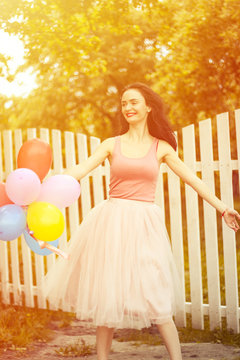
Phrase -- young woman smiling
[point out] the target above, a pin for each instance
(122, 273)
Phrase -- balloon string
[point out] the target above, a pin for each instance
(25, 208)
(44, 244)
(57, 251)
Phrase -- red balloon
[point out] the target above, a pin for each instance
(36, 155)
(4, 199)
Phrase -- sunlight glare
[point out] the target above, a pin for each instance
(24, 82)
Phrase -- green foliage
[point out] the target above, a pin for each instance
(85, 51)
(79, 348)
(150, 336)
(19, 326)
(199, 73)
(139, 337)
(219, 336)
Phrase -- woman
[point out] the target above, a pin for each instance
(121, 271)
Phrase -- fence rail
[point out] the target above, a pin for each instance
(204, 248)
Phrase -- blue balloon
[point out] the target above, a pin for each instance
(34, 246)
(12, 222)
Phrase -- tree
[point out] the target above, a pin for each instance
(199, 74)
(84, 52)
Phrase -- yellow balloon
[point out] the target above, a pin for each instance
(45, 220)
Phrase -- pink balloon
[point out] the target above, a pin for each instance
(23, 186)
(60, 190)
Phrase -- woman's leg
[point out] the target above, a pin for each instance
(170, 337)
(104, 342)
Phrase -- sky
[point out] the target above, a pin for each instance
(24, 82)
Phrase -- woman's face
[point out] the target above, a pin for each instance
(134, 107)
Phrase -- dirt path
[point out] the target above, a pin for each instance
(120, 350)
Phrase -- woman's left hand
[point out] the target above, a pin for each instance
(231, 216)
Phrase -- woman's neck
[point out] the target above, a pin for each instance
(138, 133)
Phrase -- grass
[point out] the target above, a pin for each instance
(186, 335)
(218, 336)
(79, 348)
(20, 327)
(138, 337)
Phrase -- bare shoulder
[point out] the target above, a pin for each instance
(164, 149)
(108, 145)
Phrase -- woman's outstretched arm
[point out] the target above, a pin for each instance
(103, 151)
(170, 157)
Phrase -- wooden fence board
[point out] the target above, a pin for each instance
(194, 248)
(210, 226)
(229, 243)
(237, 122)
(71, 161)
(8, 154)
(96, 175)
(85, 186)
(26, 252)
(177, 239)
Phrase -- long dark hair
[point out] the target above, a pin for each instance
(158, 125)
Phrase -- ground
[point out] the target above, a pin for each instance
(120, 350)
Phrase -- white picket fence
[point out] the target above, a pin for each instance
(21, 270)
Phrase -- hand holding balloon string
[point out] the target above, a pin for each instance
(45, 245)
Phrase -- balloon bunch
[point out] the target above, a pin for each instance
(32, 208)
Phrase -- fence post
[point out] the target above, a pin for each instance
(229, 243)
(194, 248)
(210, 226)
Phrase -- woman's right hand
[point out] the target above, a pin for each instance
(230, 217)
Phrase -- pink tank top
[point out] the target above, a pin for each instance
(134, 178)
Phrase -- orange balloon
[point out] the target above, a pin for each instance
(4, 199)
(36, 155)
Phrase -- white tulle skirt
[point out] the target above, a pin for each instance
(121, 271)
